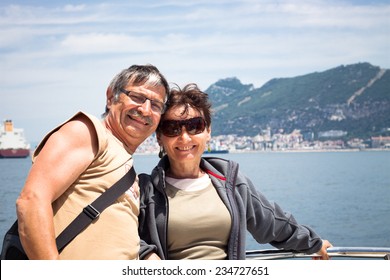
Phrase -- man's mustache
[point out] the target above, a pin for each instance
(136, 114)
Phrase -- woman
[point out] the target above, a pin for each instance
(200, 208)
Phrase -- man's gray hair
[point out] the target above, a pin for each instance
(137, 75)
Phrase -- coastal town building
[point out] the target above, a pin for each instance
(294, 141)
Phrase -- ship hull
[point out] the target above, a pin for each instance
(14, 153)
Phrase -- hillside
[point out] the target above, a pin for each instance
(353, 100)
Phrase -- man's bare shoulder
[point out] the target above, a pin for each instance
(78, 133)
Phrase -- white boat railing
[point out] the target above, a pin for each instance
(333, 252)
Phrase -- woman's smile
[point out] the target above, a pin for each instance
(186, 148)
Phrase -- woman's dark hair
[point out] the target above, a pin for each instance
(190, 96)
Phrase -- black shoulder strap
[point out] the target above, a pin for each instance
(93, 210)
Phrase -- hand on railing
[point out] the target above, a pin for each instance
(323, 253)
(332, 252)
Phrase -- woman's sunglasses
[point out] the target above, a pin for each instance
(173, 128)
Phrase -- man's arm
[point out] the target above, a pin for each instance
(65, 155)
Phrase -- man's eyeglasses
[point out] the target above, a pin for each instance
(173, 128)
(139, 99)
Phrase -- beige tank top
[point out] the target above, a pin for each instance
(114, 235)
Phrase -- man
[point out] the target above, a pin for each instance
(83, 157)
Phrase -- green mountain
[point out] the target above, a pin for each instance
(352, 101)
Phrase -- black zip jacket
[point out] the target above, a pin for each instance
(249, 209)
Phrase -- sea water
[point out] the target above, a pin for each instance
(343, 196)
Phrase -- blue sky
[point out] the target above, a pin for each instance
(57, 57)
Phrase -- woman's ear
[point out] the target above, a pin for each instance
(208, 138)
(161, 153)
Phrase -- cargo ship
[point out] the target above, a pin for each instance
(13, 144)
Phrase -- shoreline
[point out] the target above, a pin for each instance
(311, 151)
(285, 151)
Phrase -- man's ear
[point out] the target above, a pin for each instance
(110, 97)
(158, 137)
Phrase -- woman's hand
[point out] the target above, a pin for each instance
(323, 252)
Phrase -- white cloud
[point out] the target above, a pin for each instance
(74, 8)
